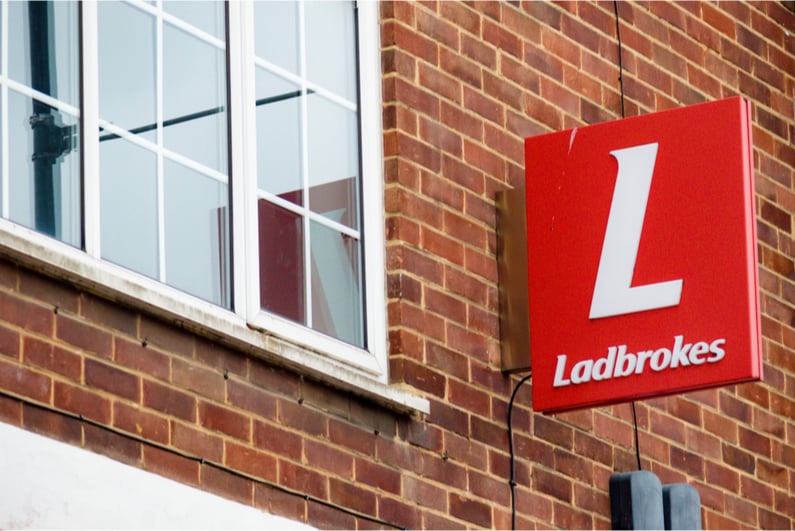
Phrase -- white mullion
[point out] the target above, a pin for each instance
(372, 200)
(305, 212)
(58, 105)
(90, 124)
(4, 110)
(243, 171)
(305, 161)
(161, 215)
(302, 80)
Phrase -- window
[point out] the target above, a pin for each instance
(228, 151)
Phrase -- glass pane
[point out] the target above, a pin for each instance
(128, 206)
(44, 169)
(197, 234)
(44, 48)
(207, 16)
(333, 160)
(281, 259)
(194, 98)
(278, 137)
(336, 285)
(127, 85)
(331, 46)
(276, 33)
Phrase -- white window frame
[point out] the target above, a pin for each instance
(247, 327)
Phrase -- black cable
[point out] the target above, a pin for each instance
(512, 481)
(201, 460)
(623, 115)
(620, 57)
(208, 112)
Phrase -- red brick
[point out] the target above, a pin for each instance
(10, 411)
(251, 399)
(227, 485)
(32, 317)
(25, 382)
(224, 420)
(113, 445)
(437, 29)
(461, 68)
(52, 424)
(46, 290)
(470, 510)
(133, 419)
(82, 402)
(166, 336)
(171, 465)
(302, 479)
(326, 457)
(134, 355)
(404, 513)
(84, 336)
(112, 380)
(197, 443)
(251, 461)
(353, 496)
(275, 379)
(108, 314)
(280, 503)
(53, 358)
(330, 518)
(383, 478)
(198, 380)
(9, 342)
(169, 400)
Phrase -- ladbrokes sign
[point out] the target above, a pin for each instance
(642, 257)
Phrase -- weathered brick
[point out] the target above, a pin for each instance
(135, 420)
(111, 379)
(169, 400)
(224, 420)
(133, 355)
(198, 380)
(82, 402)
(24, 381)
(171, 465)
(227, 485)
(85, 336)
(48, 356)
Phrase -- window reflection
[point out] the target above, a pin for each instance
(308, 167)
(41, 122)
(164, 144)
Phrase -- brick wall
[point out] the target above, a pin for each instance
(463, 84)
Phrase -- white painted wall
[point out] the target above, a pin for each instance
(50, 484)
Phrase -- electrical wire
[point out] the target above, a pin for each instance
(623, 115)
(202, 461)
(512, 481)
(620, 57)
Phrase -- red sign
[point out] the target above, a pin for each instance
(642, 265)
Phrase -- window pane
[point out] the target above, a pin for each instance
(44, 48)
(127, 55)
(276, 38)
(44, 190)
(331, 46)
(333, 159)
(128, 206)
(206, 16)
(281, 258)
(197, 233)
(278, 137)
(194, 98)
(336, 300)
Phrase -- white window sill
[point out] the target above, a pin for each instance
(203, 318)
